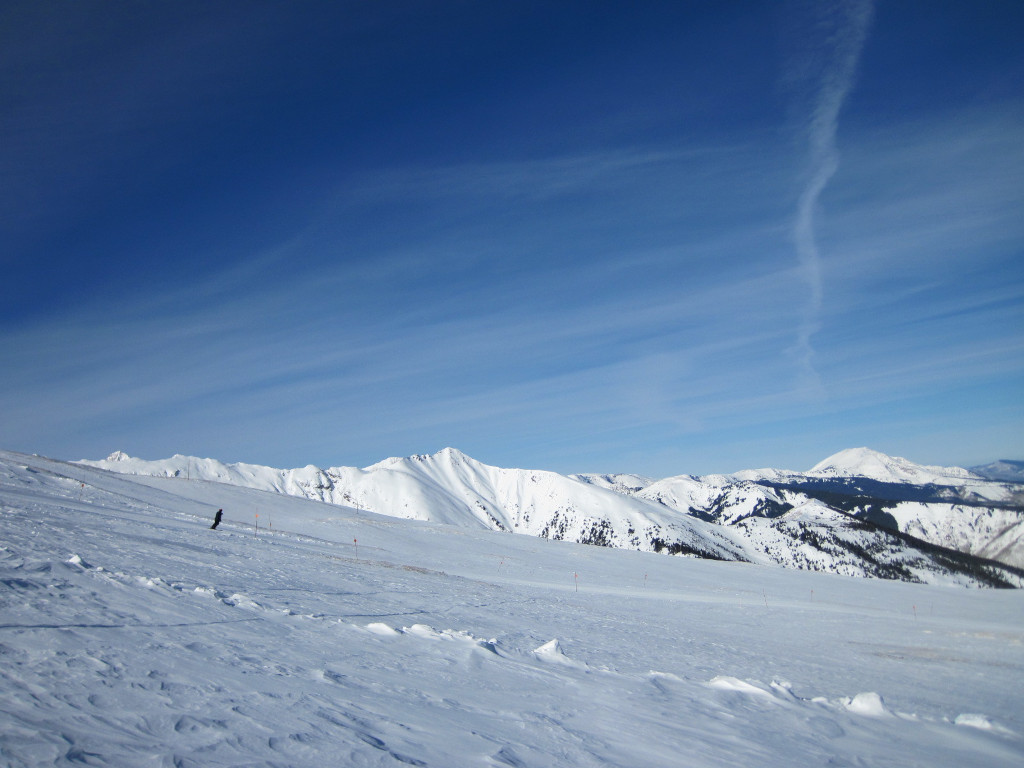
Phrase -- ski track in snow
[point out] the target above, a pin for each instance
(131, 635)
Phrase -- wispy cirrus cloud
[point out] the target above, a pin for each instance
(843, 29)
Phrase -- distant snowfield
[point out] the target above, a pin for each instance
(132, 635)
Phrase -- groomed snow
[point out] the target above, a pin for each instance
(132, 635)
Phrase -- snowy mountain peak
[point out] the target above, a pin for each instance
(875, 465)
(449, 456)
(453, 456)
(118, 456)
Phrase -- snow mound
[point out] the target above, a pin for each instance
(77, 560)
(551, 652)
(974, 721)
(982, 723)
(726, 683)
(453, 635)
(869, 704)
(380, 628)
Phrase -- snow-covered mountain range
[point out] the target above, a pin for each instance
(859, 512)
(1004, 469)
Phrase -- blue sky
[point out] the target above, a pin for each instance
(582, 236)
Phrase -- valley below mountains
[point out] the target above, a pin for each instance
(857, 513)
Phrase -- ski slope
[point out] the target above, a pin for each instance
(132, 635)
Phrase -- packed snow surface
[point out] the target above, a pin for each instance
(307, 634)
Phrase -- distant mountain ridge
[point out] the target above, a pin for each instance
(1004, 470)
(864, 462)
(859, 512)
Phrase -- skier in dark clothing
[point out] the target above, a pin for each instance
(216, 519)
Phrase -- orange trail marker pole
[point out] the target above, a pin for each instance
(256, 530)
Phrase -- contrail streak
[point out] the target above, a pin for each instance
(847, 26)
